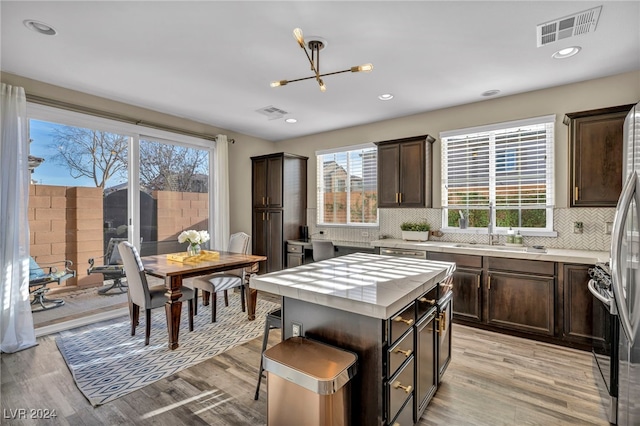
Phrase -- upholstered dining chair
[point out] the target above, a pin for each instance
(322, 249)
(223, 281)
(143, 296)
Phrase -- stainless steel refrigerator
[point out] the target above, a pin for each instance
(625, 271)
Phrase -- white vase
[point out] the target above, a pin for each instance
(415, 235)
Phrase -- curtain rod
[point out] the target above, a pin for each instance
(117, 117)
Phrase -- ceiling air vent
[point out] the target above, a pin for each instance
(272, 112)
(569, 26)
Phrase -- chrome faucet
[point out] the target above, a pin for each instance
(494, 238)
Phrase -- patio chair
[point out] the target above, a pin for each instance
(40, 276)
(112, 267)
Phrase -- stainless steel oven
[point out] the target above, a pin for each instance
(605, 352)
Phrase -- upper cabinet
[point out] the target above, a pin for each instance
(267, 181)
(403, 167)
(595, 150)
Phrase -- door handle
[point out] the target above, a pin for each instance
(629, 193)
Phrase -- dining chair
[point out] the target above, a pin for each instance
(223, 281)
(143, 296)
(322, 249)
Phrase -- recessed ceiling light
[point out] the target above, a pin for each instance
(492, 92)
(40, 27)
(385, 97)
(566, 52)
(291, 120)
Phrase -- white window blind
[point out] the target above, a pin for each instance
(509, 165)
(347, 186)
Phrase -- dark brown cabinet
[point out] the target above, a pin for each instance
(279, 200)
(595, 149)
(584, 318)
(403, 168)
(467, 285)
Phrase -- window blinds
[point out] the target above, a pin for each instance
(509, 165)
(347, 186)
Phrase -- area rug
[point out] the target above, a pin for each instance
(107, 362)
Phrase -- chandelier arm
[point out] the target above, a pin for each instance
(316, 77)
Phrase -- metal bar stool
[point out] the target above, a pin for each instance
(274, 320)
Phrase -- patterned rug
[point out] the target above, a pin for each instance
(107, 362)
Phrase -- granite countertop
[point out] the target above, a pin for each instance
(366, 284)
(554, 255)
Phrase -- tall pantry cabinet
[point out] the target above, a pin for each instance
(279, 200)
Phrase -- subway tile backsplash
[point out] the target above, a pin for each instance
(593, 236)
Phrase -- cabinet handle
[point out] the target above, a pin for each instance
(401, 198)
(263, 216)
(396, 197)
(267, 200)
(400, 319)
(575, 193)
(429, 301)
(489, 282)
(406, 353)
(442, 322)
(478, 280)
(398, 385)
(263, 203)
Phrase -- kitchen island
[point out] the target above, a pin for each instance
(369, 304)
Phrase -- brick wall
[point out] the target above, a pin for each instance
(66, 223)
(179, 211)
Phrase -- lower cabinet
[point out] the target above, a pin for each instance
(426, 354)
(584, 319)
(443, 324)
(467, 294)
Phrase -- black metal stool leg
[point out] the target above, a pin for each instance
(274, 320)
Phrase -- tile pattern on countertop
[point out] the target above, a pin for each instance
(593, 236)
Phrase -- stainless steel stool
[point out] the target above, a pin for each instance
(274, 320)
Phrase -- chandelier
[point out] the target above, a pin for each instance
(315, 46)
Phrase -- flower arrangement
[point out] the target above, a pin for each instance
(194, 238)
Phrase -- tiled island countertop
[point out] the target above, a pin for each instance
(366, 284)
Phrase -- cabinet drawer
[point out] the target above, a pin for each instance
(405, 417)
(537, 267)
(461, 260)
(399, 353)
(401, 322)
(426, 302)
(400, 388)
(294, 248)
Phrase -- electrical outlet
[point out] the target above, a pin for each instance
(365, 233)
(321, 232)
(296, 329)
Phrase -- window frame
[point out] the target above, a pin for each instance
(490, 132)
(320, 187)
(135, 132)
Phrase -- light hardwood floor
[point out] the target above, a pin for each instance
(493, 379)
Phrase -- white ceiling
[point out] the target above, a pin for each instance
(212, 61)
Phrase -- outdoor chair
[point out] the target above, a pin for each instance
(41, 275)
(112, 267)
(143, 296)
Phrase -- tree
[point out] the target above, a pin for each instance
(94, 154)
(173, 168)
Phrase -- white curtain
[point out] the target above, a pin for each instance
(17, 323)
(221, 205)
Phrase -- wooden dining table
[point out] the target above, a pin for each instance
(174, 272)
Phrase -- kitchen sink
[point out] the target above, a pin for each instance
(488, 247)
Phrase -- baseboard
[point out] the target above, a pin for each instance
(79, 322)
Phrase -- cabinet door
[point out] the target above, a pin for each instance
(426, 367)
(259, 243)
(259, 182)
(274, 181)
(275, 241)
(412, 174)
(596, 156)
(388, 175)
(443, 324)
(583, 316)
(467, 294)
(521, 302)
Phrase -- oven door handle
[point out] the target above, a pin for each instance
(592, 289)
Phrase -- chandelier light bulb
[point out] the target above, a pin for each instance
(279, 83)
(363, 68)
(323, 88)
(297, 33)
